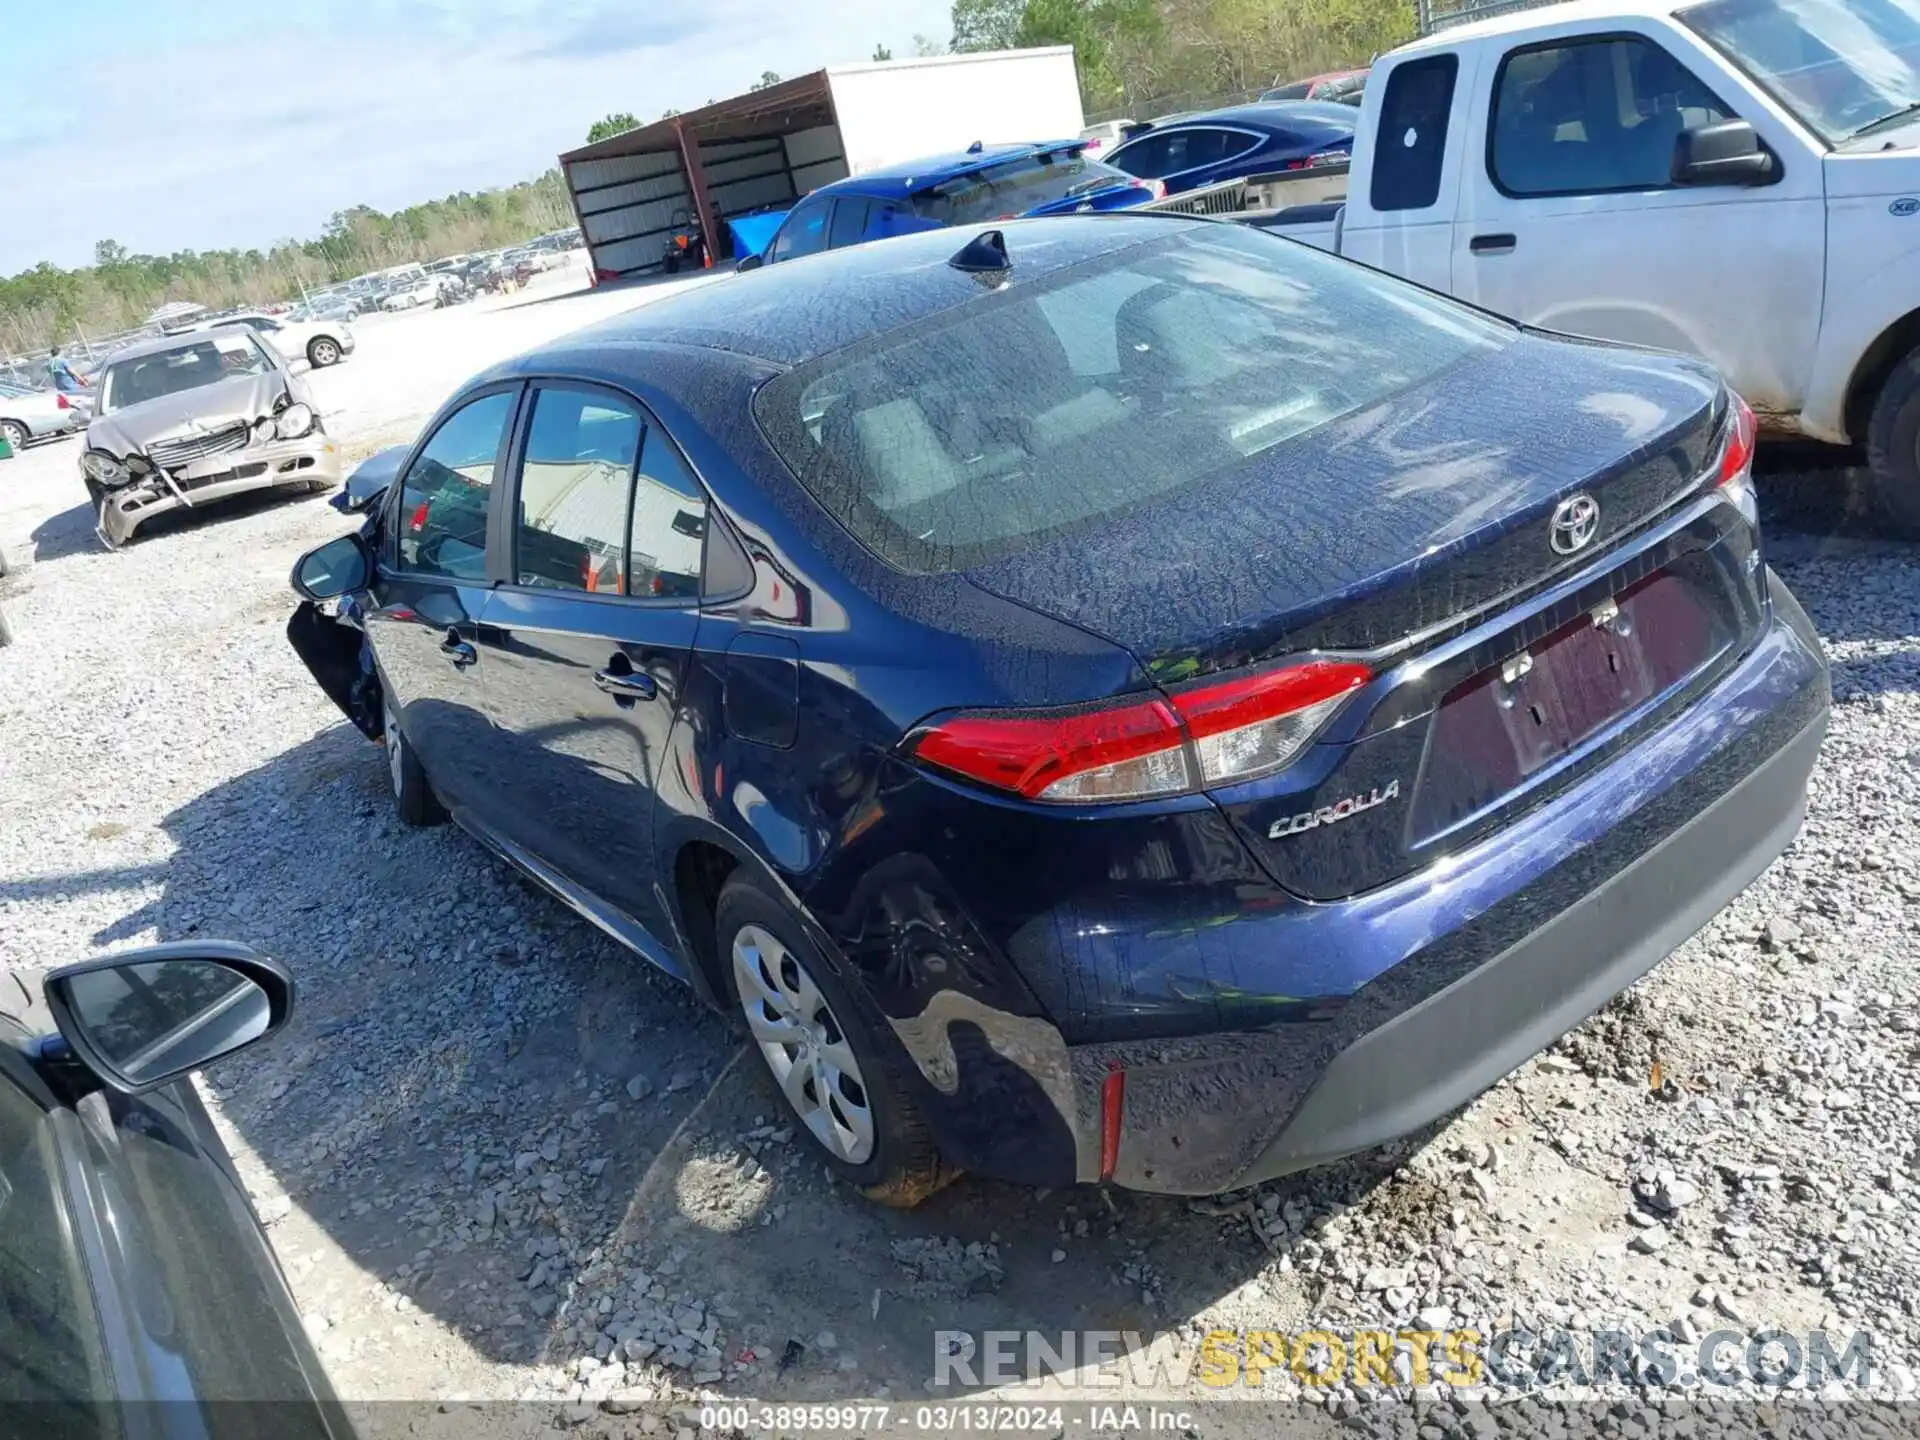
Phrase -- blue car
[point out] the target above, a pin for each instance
(1256, 139)
(982, 184)
(1114, 698)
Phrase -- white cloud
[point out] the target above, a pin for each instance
(254, 137)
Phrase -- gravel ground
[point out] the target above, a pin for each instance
(500, 1158)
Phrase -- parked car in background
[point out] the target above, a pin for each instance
(1737, 179)
(413, 294)
(135, 1277)
(983, 183)
(34, 414)
(1105, 698)
(187, 419)
(1341, 86)
(1244, 140)
(320, 342)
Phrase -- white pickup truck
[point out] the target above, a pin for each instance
(1735, 178)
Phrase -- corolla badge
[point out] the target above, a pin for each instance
(1575, 521)
(1906, 205)
(1333, 814)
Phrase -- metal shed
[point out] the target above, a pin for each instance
(767, 148)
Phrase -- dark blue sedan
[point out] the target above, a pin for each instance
(981, 184)
(1257, 139)
(1115, 698)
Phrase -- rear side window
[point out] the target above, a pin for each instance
(1412, 143)
(1172, 151)
(1014, 187)
(849, 223)
(1593, 116)
(669, 527)
(1030, 414)
(574, 484)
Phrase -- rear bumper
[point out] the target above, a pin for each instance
(1484, 959)
(1434, 1058)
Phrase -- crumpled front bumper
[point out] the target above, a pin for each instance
(312, 460)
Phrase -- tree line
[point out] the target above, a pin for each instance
(49, 305)
(1141, 58)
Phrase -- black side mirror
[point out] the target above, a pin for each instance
(750, 262)
(141, 1019)
(1727, 153)
(336, 568)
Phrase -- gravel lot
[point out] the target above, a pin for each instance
(501, 1158)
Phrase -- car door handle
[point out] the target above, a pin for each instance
(1493, 244)
(626, 684)
(457, 650)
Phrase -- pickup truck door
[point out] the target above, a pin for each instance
(1568, 217)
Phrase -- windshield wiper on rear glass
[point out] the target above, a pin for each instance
(1891, 118)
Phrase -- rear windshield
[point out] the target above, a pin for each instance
(187, 367)
(1014, 187)
(1044, 408)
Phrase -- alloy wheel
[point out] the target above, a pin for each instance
(325, 352)
(16, 436)
(804, 1044)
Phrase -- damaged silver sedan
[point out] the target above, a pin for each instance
(189, 419)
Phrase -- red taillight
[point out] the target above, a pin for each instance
(1214, 733)
(1737, 458)
(1155, 188)
(62, 401)
(1129, 747)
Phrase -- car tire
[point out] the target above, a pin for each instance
(1893, 447)
(15, 435)
(322, 351)
(862, 1122)
(413, 793)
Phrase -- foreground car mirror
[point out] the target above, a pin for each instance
(1728, 153)
(147, 1017)
(749, 262)
(336, 568)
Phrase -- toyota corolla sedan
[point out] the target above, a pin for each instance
(1113, 698)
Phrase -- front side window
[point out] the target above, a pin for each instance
(441, 522)
(1024, 416)
(574, 487)
(1842, 67)
(49, 1338)
(804, 233)
(1412, 144)
(669, 528)
(1592, 116)
(189, 366)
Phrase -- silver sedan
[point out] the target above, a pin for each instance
(35, 414)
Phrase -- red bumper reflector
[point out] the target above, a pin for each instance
(1113, 1101)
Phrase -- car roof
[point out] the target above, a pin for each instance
(1267, 115)
(790, 313)
(908, 177)
(177, 340)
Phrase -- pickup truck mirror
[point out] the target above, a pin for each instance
(750, 262)
(1726, 153)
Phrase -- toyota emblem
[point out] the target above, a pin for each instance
(1575, 521)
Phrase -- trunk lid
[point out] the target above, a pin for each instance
(1421, 528)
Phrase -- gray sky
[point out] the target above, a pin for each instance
(202, 124)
